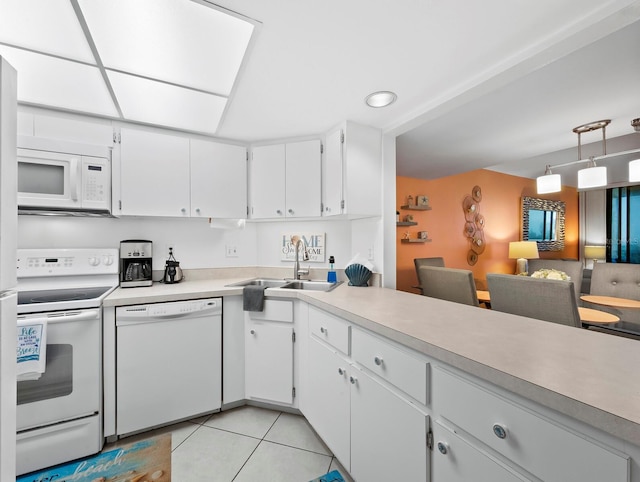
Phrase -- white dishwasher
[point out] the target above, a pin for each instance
(168, 362)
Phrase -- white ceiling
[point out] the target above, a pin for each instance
(494, 83)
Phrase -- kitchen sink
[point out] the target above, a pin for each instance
(310, 285)
(267, 282)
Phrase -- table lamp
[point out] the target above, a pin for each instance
(522, 251)
(595, 253)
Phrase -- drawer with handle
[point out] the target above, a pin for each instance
(541, 446)
(330, 329)
(397, 366)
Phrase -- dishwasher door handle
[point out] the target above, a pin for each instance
(156, 319)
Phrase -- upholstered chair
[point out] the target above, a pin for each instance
(539, 298)
(573, 268)
(620, 280)
(436, 261)
(449, 284)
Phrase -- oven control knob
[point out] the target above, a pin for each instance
(93, 261)
(107, 260)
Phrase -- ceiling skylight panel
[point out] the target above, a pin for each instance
(177, 41)
(50, 81)
(49, 26)
(152, 102)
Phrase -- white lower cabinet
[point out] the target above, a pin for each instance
(532, 442)
(269, 338)
(328, 399)
(388, 434)
(376, 433)
(457, 460)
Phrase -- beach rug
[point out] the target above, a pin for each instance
(333, 476)
(147, 460)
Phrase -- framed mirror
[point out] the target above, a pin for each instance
(543, 222)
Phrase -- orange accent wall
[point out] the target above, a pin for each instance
(500, 207)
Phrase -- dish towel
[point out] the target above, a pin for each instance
(253, 298)
(31, 349)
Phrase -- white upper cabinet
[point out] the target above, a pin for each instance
(154, 174)
(285, 180)
(67, 127)
(267, 182)
(352, 174)
(218, 180)
(303, 179)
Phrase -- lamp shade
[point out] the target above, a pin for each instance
(595, 252)
(592, 177)
(549, 183)
(523, 249)
(634, 171)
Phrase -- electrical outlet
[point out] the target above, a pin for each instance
(232, 251)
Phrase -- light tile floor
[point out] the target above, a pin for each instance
(246, 444)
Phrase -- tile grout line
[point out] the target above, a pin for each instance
(256, 448)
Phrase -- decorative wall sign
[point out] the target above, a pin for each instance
(474, 225)
(314, 243)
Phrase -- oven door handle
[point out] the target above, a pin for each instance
(64, 317)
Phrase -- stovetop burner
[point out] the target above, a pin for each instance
(60, 295)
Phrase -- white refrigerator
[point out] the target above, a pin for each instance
(8, 281)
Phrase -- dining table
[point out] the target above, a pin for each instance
(611, 301)
(587, 315)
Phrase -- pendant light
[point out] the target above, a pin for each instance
(592, 175)
(634, 171)
(549, 182)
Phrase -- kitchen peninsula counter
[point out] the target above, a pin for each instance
(588, 376)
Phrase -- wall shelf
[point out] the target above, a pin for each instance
(409, 241)
(412, 207)
(406, 223)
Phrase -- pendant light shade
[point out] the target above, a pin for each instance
(549, 182)
(595, 176)
(634, 171)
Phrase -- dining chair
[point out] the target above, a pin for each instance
(620, 280)
(539, 298)
(449, 284)
(435, 261)
(573, 268)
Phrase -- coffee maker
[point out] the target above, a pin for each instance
(135, 263)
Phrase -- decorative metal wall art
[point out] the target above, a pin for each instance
(474, 225)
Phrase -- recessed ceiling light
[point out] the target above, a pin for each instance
(381, 99)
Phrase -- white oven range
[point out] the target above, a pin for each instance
(59, 415)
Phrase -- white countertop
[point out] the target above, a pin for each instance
(589, 376)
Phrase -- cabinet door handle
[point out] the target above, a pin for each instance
(500, 431)
(323, 330)
(198, 210)
(443, 448)
(378, 360)
(253, 332)
(290, 211)
(279, 212)
(353, 380)
(183, 210)
(340, 371)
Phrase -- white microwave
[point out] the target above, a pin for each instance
(50, 180)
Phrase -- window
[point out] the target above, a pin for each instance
(623, 224)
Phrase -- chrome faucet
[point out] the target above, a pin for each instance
(297, 271)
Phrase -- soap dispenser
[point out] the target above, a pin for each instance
(331, 275)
